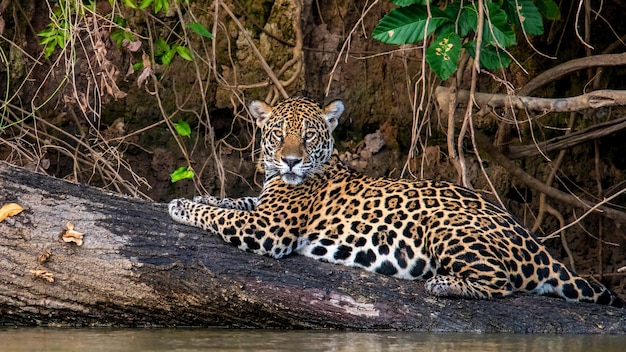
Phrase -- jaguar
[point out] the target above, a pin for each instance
(453, 238)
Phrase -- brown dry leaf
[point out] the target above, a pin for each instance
(44, 274)
(131, 46)
(147, 71)
(69, 235)
(10, 209)
(130, 70)
(45, 256)
(108, 72)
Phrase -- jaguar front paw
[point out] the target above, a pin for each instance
(179, 210)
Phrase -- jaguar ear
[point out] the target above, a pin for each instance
(260, 111)
(332, 112)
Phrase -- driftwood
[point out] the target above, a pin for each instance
(136, 267)
(592, 100)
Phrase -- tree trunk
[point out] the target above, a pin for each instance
(136, 267)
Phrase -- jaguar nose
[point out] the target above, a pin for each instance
(291, 161)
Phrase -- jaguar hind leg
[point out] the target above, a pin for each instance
(453, 286)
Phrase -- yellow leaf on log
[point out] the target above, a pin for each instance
(70, 235)
(10, 209)
(48, 276)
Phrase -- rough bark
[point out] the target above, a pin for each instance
(138, 268)
(592, 100)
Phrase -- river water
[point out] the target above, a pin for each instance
(223, 340)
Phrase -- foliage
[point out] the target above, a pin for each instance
(69, 19)
(183, 128)
(120, 34)
(454, 26)
(57, 32)
(165, 52)
(200, 29)
(181, 173)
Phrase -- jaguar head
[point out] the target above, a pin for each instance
(296, 136)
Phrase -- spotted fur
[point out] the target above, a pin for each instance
(460, 243)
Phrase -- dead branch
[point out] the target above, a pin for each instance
(571, 66)
(497, 156)
(563, 142)
(592, 100)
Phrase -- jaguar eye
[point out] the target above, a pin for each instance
(309, 136)
(278, 134)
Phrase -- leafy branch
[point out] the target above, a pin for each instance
(454, 27)
(58, 32)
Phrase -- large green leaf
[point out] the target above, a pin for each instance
(525, 14)
(443, 55)
(491, 57)
(403, 3)
(496, 30)
(468, 20)
(407, 25)
(452, 11)
(549, 9)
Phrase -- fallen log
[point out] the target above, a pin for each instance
(136, 267)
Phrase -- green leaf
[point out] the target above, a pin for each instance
(49, 49)
(452, 11)
(403, 3)
(130, 3)
(161, 4)
(47, 40)
(47, 32)
(200, 29)
(468, 20)
(549, 9)
(497, 28)
(445, 28)
(182, 128)
(118, 35)
(168, 57)
(137, 65)
(161, 44)
(407, 24)
(119, 20)
(443, 55)
(491, 57)
(145, 3)
(184, 52)
(61, 39)
(181, 173)
(524, 14)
